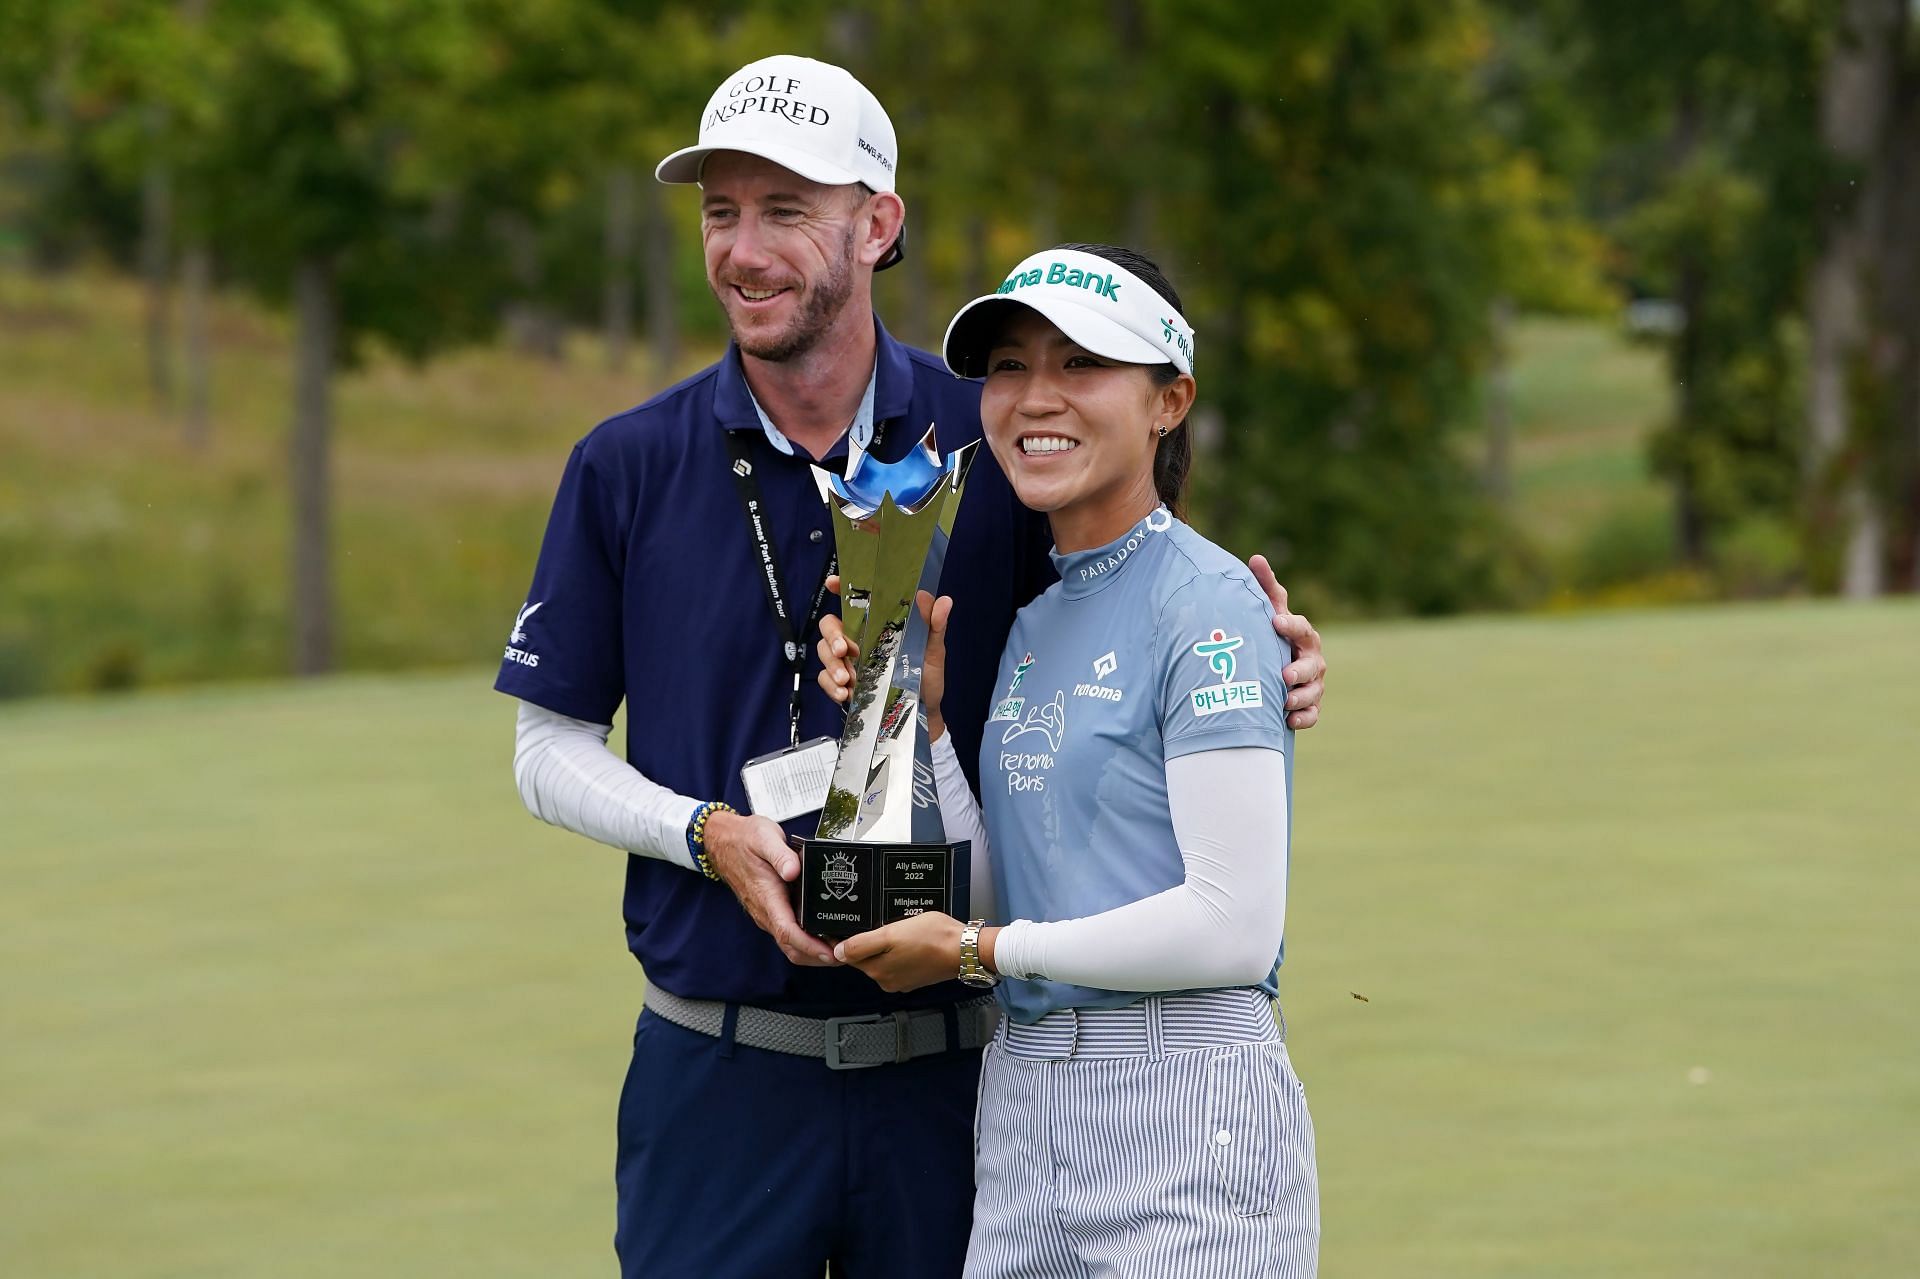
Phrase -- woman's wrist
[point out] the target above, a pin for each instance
(988, 936)
(936, 725)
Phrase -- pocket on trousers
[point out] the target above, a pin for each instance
(1243, 1131)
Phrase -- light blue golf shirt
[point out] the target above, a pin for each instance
(1152, 647)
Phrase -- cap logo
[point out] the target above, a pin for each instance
(770, 94)
(1067, 276)
(874, 151)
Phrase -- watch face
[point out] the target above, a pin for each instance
(981, 979)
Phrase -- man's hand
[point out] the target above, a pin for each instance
(1306, 675)
(909, 954)
(750, 854)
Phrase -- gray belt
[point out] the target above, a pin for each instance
(844, 1043)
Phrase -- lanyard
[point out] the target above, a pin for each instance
(792, 637)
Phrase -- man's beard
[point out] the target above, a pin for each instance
(817, 314)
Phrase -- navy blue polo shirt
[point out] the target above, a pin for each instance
(647, 590)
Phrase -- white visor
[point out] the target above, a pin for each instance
(1101, 306)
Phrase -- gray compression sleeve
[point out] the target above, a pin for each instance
(960, 814)
(568, 778)
(1221, 927)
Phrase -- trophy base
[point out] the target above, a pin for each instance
(845, 888)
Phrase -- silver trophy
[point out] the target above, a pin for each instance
(881, 853)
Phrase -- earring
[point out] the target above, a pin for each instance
(1163, 431)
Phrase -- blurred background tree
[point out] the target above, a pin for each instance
(1419, 242)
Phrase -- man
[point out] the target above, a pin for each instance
(682, 572)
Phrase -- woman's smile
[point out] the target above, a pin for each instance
(1047, 445)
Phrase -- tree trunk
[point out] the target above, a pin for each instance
(315, 333)
(530, 323)
(1499, 405)
(663, 302)
(1855, 101)
(1902, 292)
(156, 271)
(1689, 524)
(617, 301)
(196, 282)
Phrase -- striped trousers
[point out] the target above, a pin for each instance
(1165, 1140)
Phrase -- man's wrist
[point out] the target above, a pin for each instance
(700, 828)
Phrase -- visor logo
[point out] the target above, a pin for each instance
(1071, 277)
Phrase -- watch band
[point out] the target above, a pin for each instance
(972, 971)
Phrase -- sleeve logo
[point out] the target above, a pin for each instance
(1228, 695)
(518, 636)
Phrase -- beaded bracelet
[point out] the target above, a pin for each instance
(697, 834)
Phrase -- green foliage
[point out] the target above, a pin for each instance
(1344, 193)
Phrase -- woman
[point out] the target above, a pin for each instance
(1138, 1113)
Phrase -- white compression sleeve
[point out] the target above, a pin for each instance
(568, 778)
(960, 815)
(1221, 927)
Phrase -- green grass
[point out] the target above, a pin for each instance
(293, 987)
(129, 558)
(1584, 402)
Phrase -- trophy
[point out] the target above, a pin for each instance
(881, 852)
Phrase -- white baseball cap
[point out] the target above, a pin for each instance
(1096, 302)
(810, 117)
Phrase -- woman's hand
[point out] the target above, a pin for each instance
(909, 954)
(839, 656)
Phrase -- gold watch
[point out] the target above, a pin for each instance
(972, 971)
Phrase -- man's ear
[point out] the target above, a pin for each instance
(886, 214)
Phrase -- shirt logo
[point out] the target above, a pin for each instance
(1104, 665)
(1009, 707)
(519, 636)
(1157, 521)
(1049, 720)
(1210, 699)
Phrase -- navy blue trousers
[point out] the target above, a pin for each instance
(749, 1164)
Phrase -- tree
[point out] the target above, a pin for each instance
(321, 184)
(1857, 106)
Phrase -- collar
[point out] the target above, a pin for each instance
(859, 434)
(1084, 572)
(889, 392)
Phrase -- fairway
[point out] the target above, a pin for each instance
(294, 987)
